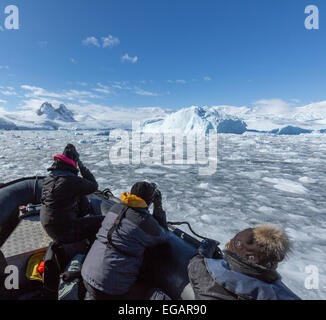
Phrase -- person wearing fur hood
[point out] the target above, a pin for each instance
(247, 270)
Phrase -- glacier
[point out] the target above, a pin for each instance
(198, 120)
(238, 120)
(220, 119)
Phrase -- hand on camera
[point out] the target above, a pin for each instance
(157, 201)
(71, 152)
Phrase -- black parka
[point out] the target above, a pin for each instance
(63, 194)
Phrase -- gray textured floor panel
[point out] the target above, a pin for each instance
(28, 236)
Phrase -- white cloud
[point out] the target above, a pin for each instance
(91, 41)
(3, 101)
(71, 95)
(39, 92)
(110, 41)
(102, 88)
(81, 101)
(127, 58)
(4, 67)
(107, 113)
(121, 85)
(142, 92)
(178, 81)
(272, 106)
(207, 78)
(74, 61)
(83, 84)
(8, 93)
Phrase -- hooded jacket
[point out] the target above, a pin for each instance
(63, 194)
(234, 278)
(113, 271)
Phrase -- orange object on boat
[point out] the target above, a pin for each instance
(40, 268)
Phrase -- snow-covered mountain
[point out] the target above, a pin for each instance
(74, 117)
(47, 111)
(7, 125)
(222, 119)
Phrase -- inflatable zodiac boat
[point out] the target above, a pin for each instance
(22, 238)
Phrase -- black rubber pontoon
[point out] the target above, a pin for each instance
(164, 267)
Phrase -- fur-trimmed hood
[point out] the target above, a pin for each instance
(265, 245)
(273, 240)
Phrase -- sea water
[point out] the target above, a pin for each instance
(259, 178)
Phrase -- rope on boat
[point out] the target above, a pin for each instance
(190, 228)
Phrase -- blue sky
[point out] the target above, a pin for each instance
(171, 54)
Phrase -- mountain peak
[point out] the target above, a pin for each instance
(62, 113)
(46, 108)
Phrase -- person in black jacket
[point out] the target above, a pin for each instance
(64, 202)
(247, 270)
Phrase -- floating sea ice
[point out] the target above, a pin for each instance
(206, 218)
(149, 171)
(9, 166)
(103, 163)
(102, 180)
(168, 176)
(293, 161)
(317, 249)
(296, 235)
(267, 210)
(307, 180)
(286, 185)
(236, 197)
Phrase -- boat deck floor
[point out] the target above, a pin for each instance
(28, 236)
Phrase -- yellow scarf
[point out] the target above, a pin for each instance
(133, 201)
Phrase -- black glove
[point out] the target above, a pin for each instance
(208, 248)
(81, 165)
(86, 174)
(83, 170)
(158, 213)
(160, 216)
(71, 152)
(157, 201)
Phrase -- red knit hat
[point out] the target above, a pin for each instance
(65, 159)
